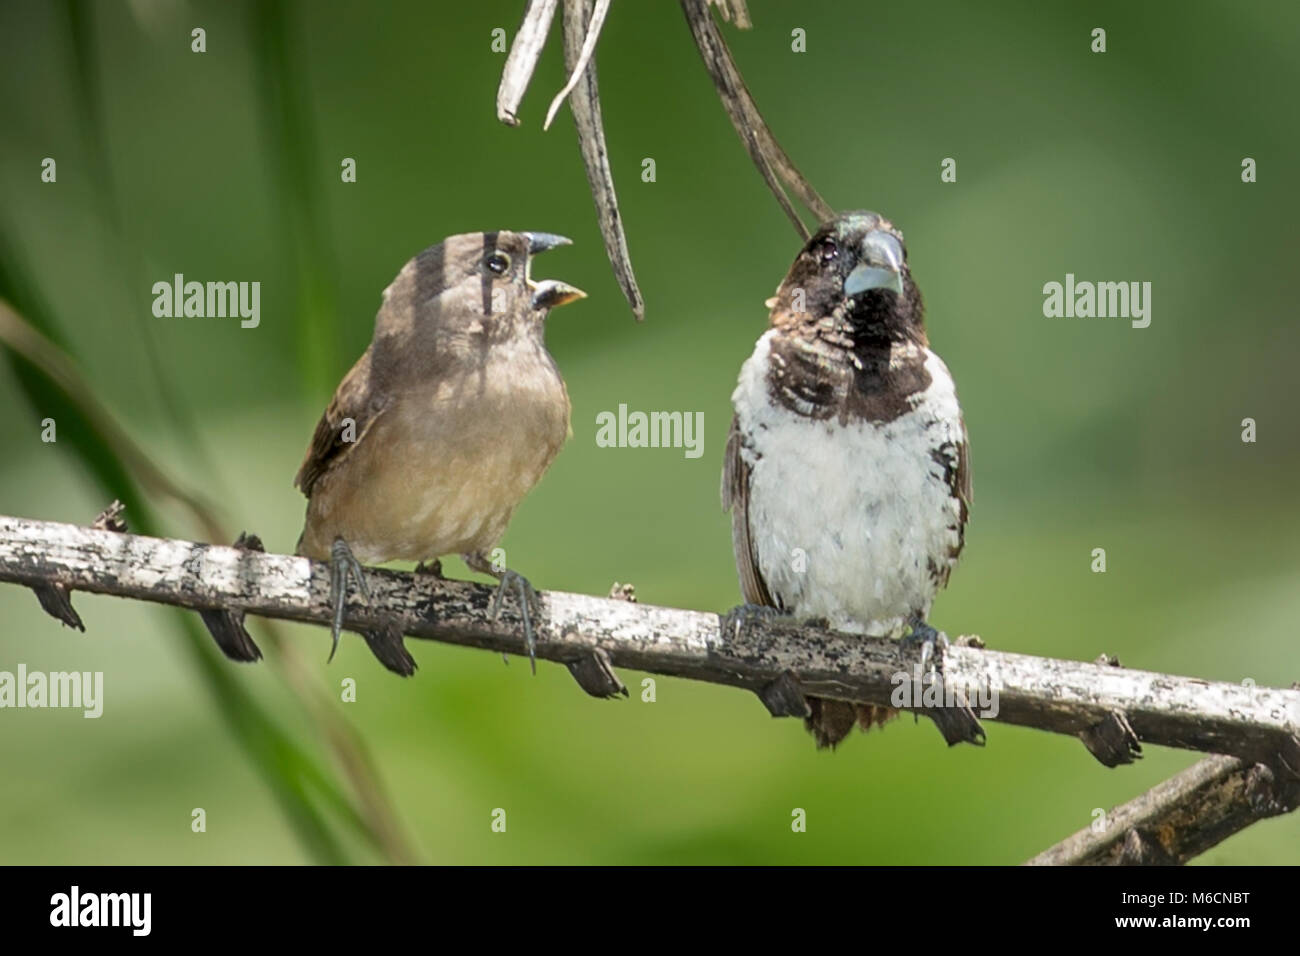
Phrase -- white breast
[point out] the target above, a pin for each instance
(851, 522)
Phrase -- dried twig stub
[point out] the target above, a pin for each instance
(227, 627)
(56, 601)
(585, 104)
(522, 61)
(110, 519)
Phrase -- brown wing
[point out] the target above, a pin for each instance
(961, 482)
(333, 439)
(957, 470)
(965, 492)
(735, 498)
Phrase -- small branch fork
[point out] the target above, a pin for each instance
(1107, 707)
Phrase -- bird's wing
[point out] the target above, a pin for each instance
(965, 492)
(735, 498)
(332, 440)
(957, 468)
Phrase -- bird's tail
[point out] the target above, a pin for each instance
(831, 720)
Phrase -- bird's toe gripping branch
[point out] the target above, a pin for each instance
(528, 605)
(593, 670)
(956, 721)
(342, 564)
(385, 642)
(508, 580)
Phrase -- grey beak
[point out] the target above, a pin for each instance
(541, 241)
(880, 265)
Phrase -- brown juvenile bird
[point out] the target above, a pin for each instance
(450, 417)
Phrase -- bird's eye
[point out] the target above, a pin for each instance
(828, 251)
(498, 262)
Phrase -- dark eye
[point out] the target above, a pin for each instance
(828, 251)
(498, 262)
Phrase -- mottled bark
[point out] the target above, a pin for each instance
(1069, 697)
(1183, 816)
(1108, 707)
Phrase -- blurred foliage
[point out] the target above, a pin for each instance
(1086, 433)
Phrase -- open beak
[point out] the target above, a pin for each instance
(550, 293)
(541, 241)
(880, 265)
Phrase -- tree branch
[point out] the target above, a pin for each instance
(579, 29)
(1109, 708)
(524, 54)
(1067, 697)
(1183, 816)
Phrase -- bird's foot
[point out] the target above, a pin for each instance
(342, 564)
(527, 595)
(929, 643)
(956, 721)
(508, 580)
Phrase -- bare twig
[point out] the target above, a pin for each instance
(1184, 816)
(1068, 697)
(583, 20)
(767, 154)
(733, 11)
(521, 62)
(578, 65)
(585, 104)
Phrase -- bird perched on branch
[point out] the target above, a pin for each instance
(450, 417)
(847, 472)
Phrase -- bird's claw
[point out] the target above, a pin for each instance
(342, 564)
(527, 601)
(957, 723)
(929, 643)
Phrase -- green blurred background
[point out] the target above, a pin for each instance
(1085, 433)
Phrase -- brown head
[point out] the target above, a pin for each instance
(851, 283)
(470, 292)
